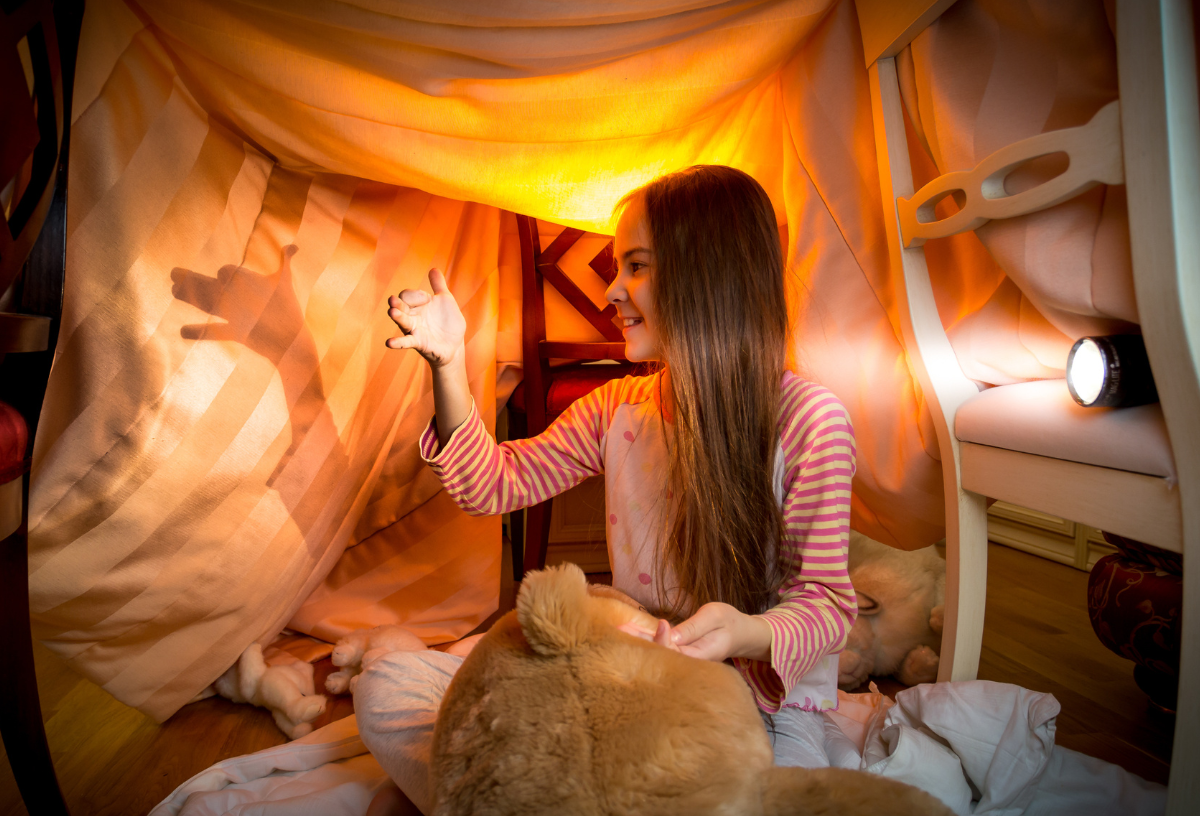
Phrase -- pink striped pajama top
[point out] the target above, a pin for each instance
(617, 430)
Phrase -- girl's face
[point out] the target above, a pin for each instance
(631, 291)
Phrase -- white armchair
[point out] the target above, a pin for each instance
(1132, 471)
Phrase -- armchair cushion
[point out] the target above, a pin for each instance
(14, 437)
(1041, 418)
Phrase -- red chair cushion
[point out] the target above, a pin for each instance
(14, 436)
(569, 383)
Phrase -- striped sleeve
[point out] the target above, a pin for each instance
(817, 605)
(485, 478)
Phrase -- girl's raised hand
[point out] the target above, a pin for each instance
(432, 325)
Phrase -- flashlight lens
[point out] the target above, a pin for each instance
(1086, 372)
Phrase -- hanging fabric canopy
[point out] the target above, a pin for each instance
(227, 448)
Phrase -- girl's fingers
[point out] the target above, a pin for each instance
(438, 281)
(404, 341)
(663, 636)
(689, 631)
(405, 320)
(661, 632)
(708, 619)
(636, 631)
(682, 634)
(413, 297)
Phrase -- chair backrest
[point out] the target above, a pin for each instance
(539, 266)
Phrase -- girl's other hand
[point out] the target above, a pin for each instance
(716, 632)
(433, 325)
(719, 631)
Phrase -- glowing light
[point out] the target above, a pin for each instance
(1086, 371)
(1110, 372)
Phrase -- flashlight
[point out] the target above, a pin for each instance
(1110, 372)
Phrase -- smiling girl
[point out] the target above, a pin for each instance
(727, 477)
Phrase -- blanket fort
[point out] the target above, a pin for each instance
(226, 447)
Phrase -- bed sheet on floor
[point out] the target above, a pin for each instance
(327, 773)
(981, 747)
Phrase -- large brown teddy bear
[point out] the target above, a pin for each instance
(555, 711)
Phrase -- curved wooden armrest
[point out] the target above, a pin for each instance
(21, 332)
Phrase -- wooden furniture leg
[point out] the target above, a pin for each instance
(21, 710)
(537, 535)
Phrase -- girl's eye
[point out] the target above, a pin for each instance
(635, 266)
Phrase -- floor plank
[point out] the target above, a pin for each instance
(114, 761)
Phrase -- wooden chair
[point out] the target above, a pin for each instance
(545, 392)
(32, 253)
(1150, 140)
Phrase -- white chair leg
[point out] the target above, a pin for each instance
(1185, 754)
(966, 586)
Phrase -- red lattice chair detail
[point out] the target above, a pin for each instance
(545, 392)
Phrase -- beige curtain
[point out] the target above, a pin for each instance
(227, 448)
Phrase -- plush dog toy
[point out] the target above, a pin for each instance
(556, 711)
(356, 650)
(901, 600)
(286, 690)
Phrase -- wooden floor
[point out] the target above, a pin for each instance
(114, 761)
(1037, 635)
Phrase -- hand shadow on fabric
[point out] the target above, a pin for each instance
(262, 312)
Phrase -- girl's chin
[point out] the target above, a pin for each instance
(637, 353)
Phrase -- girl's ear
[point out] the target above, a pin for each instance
(867, 605)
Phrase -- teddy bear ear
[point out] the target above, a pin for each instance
(552, 609)
(866, 604)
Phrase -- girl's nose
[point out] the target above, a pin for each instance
(615, 293)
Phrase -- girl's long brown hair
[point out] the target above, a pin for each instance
(721, 317)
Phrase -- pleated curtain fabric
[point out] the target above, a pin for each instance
(227, 448)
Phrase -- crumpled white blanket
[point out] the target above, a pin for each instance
(985, 749)
(327, 773)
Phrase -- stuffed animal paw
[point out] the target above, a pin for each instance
(857, 660)
(286, 690)
(357, 650)
(937, 619)
(919, 666)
